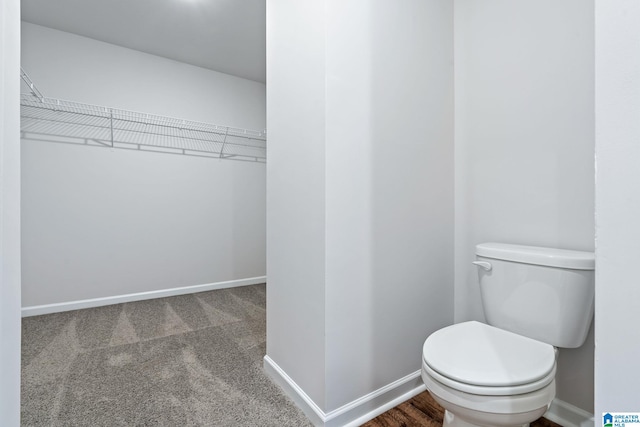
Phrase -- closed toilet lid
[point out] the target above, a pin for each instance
(479, 354)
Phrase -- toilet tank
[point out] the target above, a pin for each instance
(542, 293)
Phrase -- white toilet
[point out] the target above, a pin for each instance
(503, 374)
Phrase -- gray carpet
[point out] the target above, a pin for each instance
(191, 360)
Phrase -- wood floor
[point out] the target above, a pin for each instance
(423, 411)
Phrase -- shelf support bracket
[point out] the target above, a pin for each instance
(224, 141)
(111, 124)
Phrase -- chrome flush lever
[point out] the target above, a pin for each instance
(483, 264)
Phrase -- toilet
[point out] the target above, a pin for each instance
(502, 373)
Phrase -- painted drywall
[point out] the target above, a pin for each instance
(389, 189)
(9, 213)
(99, 222)
(524, 144)
(68, 66)
(360, 191)
(295, 192)
(617, 376)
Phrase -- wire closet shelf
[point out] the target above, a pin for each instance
(47, 119)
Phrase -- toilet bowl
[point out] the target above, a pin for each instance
(502, 374)
(495, 411)
(484, 376)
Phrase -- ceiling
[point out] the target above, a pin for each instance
(221, 35)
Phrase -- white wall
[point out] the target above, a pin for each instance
(389, 189)
(617, 377)
(295, 192)
(9, 213)
(524, 126)
(360, 191)
(68, 66)
(99, 222)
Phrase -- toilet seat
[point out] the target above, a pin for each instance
(476, 358)
(488, 390)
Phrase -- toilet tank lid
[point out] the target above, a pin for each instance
(550, 257)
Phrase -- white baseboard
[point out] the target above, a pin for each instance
(567, 415)
(36, 310)
(381, 400)
(353, 413)
(299, 397)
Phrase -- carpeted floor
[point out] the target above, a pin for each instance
(191, 360)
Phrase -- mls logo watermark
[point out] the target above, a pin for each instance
(620, 419)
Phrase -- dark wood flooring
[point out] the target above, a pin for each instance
(423, 411)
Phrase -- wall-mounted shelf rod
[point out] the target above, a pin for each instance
(55, 120)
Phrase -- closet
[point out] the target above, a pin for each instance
(142, 176)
